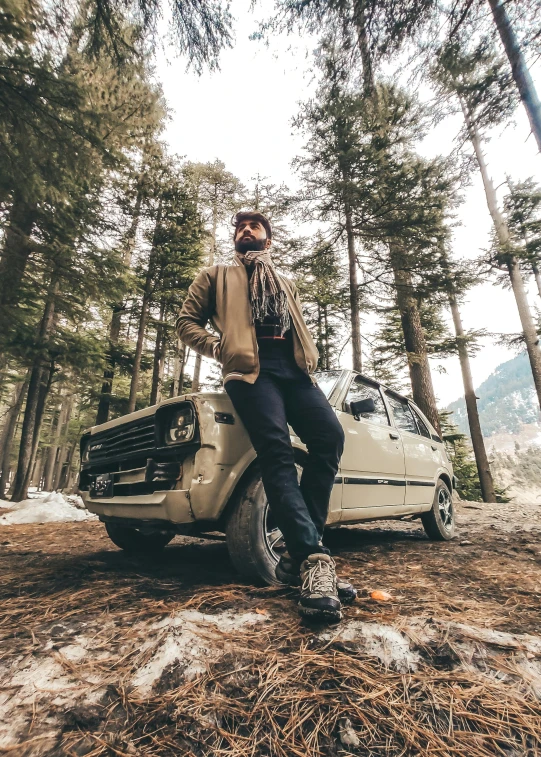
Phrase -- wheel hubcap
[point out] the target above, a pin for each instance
(273, 536)
(445, 506)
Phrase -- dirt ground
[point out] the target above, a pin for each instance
(103, 654)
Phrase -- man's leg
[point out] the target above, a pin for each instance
(261, 408)
(313, 419)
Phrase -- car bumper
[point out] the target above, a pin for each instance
(173, 506)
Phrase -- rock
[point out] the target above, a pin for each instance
(346, 734)
(465, 543)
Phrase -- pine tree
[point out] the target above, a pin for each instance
(522, 208)
(323, 292)
(480, 83)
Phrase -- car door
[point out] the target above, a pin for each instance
(419, 451)
(372, 465)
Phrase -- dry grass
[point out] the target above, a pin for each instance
(277, 689)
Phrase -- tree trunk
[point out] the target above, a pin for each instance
(196, 373)
(528, 324)
(32, 399)
(50, 464)
(537, 276)
(359, 11)
(353, 294)
(326, 322)
(102, 415)
(40, 409)
(414, 339)
(478, 443)
(16, 250)
(517, 282)
(9, 431)
(147, 293)
(64, 421)
(178, 370)
(159, 359)
(521, 73)
(66, 473)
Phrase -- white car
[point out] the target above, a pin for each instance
(186, 466)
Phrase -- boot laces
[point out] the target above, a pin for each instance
(320, 578)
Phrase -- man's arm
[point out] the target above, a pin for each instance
(194, 316)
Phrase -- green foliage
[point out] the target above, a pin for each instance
(522, 206)
(323, 292)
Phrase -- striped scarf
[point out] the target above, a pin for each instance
(266, 294)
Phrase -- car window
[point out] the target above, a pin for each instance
(423, 428)
(402, 414)
(361, 390)
(326, 380)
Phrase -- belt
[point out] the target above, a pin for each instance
(269, 331)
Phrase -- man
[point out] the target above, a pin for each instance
(267, 357)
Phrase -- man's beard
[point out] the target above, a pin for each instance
(250, 245)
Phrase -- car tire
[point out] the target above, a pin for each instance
(253, 544)
(138, 542)
(439, 522)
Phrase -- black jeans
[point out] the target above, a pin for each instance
(283, 394)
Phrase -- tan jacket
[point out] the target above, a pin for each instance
(219, 294)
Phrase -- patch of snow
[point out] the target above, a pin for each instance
(191, 640)
(384, 642)
(49, 507)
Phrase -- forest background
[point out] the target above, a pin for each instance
(108, 207)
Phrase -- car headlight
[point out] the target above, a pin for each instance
(180, 427)
(85, 448)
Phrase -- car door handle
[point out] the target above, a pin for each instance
(393, 436)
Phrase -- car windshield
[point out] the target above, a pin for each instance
(326, 381)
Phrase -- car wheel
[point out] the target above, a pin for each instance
(439, 522)
(136, 541)
(254, 541)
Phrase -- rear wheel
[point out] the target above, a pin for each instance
(439, 522)
(136, 540)
(254, 541)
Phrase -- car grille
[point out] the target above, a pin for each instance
(135, 438)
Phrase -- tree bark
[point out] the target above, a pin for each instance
(353, 294)
(478, 443)
(517, 282)
(521, 73)
(326, 321)
(44, 389)
(159, 359)
(537, 276)
(196, 374)
(50, 464)
(178, 370)
(414, 339)
(145, 305)
(9, 431)
(33, 397)
(16, 250)
(64, 428)
(359, 12)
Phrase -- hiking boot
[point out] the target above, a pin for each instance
(288, 572)
(319, 593)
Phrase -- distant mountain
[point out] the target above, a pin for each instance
(507, 399)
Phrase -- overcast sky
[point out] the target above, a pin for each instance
(242, 115)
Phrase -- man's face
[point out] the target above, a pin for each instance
(251, 236)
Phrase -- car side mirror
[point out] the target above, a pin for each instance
(359, 407)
